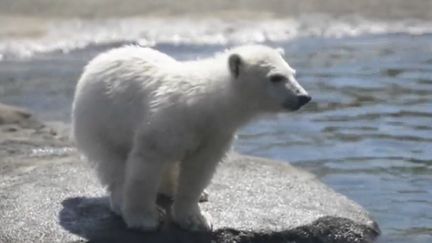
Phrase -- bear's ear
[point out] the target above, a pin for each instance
(234, 63)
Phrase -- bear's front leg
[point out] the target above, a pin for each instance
(143, 174)
(196, 172)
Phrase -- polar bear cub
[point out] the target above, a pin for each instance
(151, 124)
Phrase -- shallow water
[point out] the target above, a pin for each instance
(367, 133)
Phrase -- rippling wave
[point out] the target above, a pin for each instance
(67, 35)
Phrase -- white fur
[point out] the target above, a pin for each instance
(149, 123)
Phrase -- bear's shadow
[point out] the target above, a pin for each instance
(92, 219)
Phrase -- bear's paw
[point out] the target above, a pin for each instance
(193, 220)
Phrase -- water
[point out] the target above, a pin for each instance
(367, 133)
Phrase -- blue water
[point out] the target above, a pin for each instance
(367, 133)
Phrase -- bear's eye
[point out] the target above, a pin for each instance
(277, 78)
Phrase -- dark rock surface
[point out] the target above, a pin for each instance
(47, 194)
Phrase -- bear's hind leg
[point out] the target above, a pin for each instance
(196, 172)
(110, 168)
(168, 184)
(144, 169)
(115, 194)
(194, 177)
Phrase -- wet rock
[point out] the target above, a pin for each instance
(18, 116)
(48, 195)
(21, 134)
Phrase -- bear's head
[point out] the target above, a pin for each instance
(265, 78)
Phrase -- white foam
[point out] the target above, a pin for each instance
(74, 34)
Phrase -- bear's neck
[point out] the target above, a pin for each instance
(218, 97)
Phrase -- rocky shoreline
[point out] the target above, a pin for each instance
(49, 195)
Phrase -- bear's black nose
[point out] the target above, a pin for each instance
(303, 99)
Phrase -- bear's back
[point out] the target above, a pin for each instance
(117, 86)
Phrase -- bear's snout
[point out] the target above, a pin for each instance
(303, 100)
